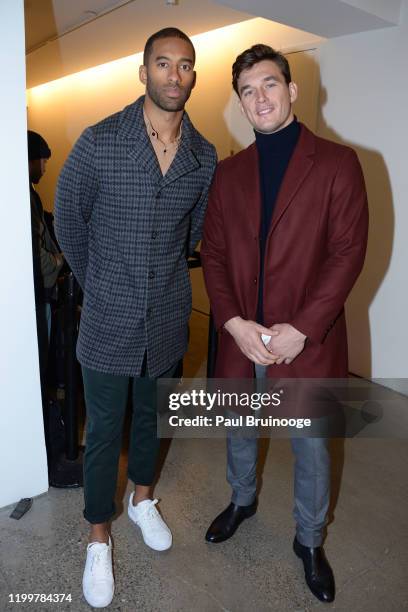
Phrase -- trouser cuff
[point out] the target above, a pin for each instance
(143, 482)
(309, 539)
(242, 499)
(95, 519)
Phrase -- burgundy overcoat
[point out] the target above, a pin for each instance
(314, 253)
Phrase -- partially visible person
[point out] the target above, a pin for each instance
(49, 220)
(47, 259)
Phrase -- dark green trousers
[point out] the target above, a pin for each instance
(106, 398)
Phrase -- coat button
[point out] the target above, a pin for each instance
(151, 274)
(154, 235)
(255, 280)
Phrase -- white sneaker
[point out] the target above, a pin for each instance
(155, 532)
(97, 583)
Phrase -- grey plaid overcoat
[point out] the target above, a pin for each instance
(126, 230)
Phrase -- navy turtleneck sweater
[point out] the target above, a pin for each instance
(274, 153)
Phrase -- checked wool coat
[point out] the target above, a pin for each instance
(126, 231)
(314, 253)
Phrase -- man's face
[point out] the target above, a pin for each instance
(265, 97)
(169, 75)
(36, 169)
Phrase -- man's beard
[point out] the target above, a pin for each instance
(164, 102)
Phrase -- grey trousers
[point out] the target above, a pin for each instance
(311, 479)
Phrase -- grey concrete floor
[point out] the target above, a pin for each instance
(256, 570)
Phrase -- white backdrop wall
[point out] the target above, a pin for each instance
(364, 91)
(23, 468)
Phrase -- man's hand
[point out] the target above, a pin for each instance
(288, 343)
(247, 335)
(60, 259)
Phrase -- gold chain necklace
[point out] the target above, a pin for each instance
(155, 134)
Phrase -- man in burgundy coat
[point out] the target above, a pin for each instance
(284, 242)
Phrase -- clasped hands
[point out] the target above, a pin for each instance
(285, 345)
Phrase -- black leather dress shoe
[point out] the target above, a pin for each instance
(318, 573)
(226, 523)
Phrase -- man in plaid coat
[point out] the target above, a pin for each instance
(129, 209)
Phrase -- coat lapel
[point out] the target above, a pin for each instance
(132, 129)
(184, 162)
(298, 168)
(187, 156)
(143, 154)
(251, 188)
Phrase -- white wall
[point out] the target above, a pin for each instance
(364, 101)
(23, 469)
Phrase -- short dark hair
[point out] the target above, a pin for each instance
(164, 33)
(258, 53)
(37, 146)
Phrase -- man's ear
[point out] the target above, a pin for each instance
(143, 74)
(194, 80)
(293, 92)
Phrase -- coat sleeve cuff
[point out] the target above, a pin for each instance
(221, 318)
(314, 332)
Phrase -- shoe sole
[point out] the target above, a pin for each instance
(94, 605)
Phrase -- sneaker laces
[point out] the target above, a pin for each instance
(151, 514)
(100, 564)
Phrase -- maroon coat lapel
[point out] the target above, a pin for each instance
(252, 189)
(298, 168)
